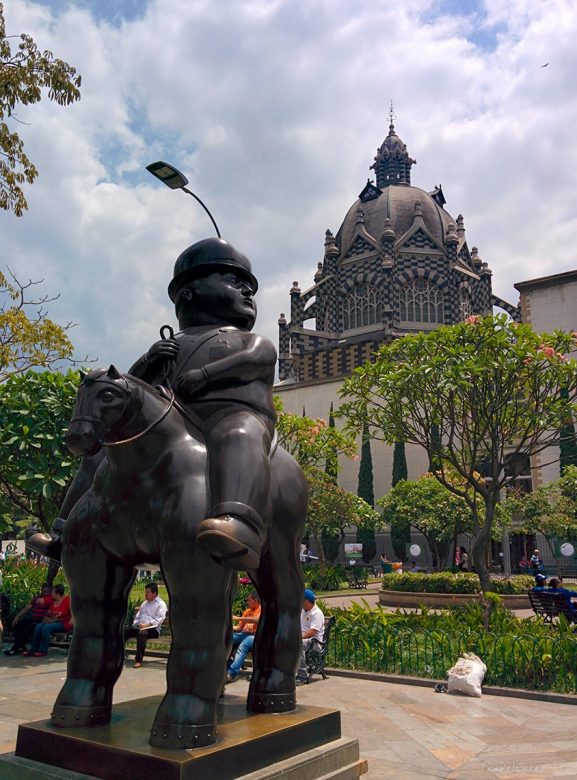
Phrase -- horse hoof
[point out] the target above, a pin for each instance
(175, 735)
(231, 542)
(65, 717)
(271, 702)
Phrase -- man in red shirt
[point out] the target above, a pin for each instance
(27, 619)
(57, 620)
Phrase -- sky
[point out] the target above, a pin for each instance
(274, 110)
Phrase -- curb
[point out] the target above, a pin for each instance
(424, 682)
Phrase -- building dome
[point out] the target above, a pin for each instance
(394, 208)
(398, 264)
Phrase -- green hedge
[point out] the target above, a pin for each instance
(439, 582)
(329, 579)
(523, 653)
(461, 582)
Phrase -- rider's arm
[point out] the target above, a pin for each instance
(148, 366)
(256, 361)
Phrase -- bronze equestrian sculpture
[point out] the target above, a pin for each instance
(191, 480)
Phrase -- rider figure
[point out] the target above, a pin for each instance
(222, 375)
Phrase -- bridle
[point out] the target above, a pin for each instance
(168, 394)
(148, 428)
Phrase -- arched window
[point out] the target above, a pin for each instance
(361, 307)
(421, 301)
(465, 304)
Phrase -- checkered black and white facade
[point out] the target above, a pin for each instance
(398, 264)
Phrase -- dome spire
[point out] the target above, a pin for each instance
(392, 163)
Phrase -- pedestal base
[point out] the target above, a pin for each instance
(247, 743)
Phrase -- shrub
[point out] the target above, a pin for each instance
(329, 579)
(521, 653)
(460, 582)
(518, 584)
(439, 582)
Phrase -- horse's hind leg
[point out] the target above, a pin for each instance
(200, 617)
(280, 584)
(100, 589)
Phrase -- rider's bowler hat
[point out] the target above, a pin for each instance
(206, 256)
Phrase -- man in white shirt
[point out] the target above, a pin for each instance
(147, 621)
(312, 627)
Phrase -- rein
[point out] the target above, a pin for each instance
(148, 427)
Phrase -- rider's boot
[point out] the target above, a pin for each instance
(233, 540)
(49, 545)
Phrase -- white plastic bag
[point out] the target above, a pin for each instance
(466, 677)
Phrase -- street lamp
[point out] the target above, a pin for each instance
(176, 180)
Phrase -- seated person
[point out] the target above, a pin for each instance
(58, 619)
(414, 567)
(147, 621)
(556, 586)
(540, 582)
(244, 632)
(27, 619)
(312, 627)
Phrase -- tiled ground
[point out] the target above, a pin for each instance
(406, 732)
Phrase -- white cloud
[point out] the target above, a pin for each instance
(275, 110)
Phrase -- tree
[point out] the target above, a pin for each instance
(310, 441)
(400, 531)
(366, 535)
(567, 440)
(331, 466)
(431, 508)
(24, 73)
(550, 510)
(331, 508)
(28, 338)
(492, 387)
(35, 467)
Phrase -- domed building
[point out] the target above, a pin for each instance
(399, 263)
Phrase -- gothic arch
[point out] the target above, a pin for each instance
(361, 304)
(421, 297)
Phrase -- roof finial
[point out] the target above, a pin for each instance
(392, 116)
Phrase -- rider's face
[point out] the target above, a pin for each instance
(226, 297)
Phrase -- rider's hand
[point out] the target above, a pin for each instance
(165, 349)
(189, 384)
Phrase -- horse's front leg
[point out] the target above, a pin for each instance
(280, 583)
(99, 589)
(200, 593)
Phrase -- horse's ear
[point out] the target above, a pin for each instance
(83, 375)
(113, 372)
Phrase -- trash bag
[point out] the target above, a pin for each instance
(466, 677)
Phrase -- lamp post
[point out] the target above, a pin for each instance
(176, 180)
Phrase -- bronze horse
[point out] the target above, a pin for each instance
(147, 497)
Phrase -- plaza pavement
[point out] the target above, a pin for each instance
(405, 731)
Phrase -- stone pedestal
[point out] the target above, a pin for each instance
(304, 744)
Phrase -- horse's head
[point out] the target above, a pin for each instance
(102, 401)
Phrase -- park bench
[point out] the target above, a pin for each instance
(357, 576)
(163, 640)
(549, 605)
(316, 654)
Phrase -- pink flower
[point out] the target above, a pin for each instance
(528, 361)
(473, 319)
(548, 351)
